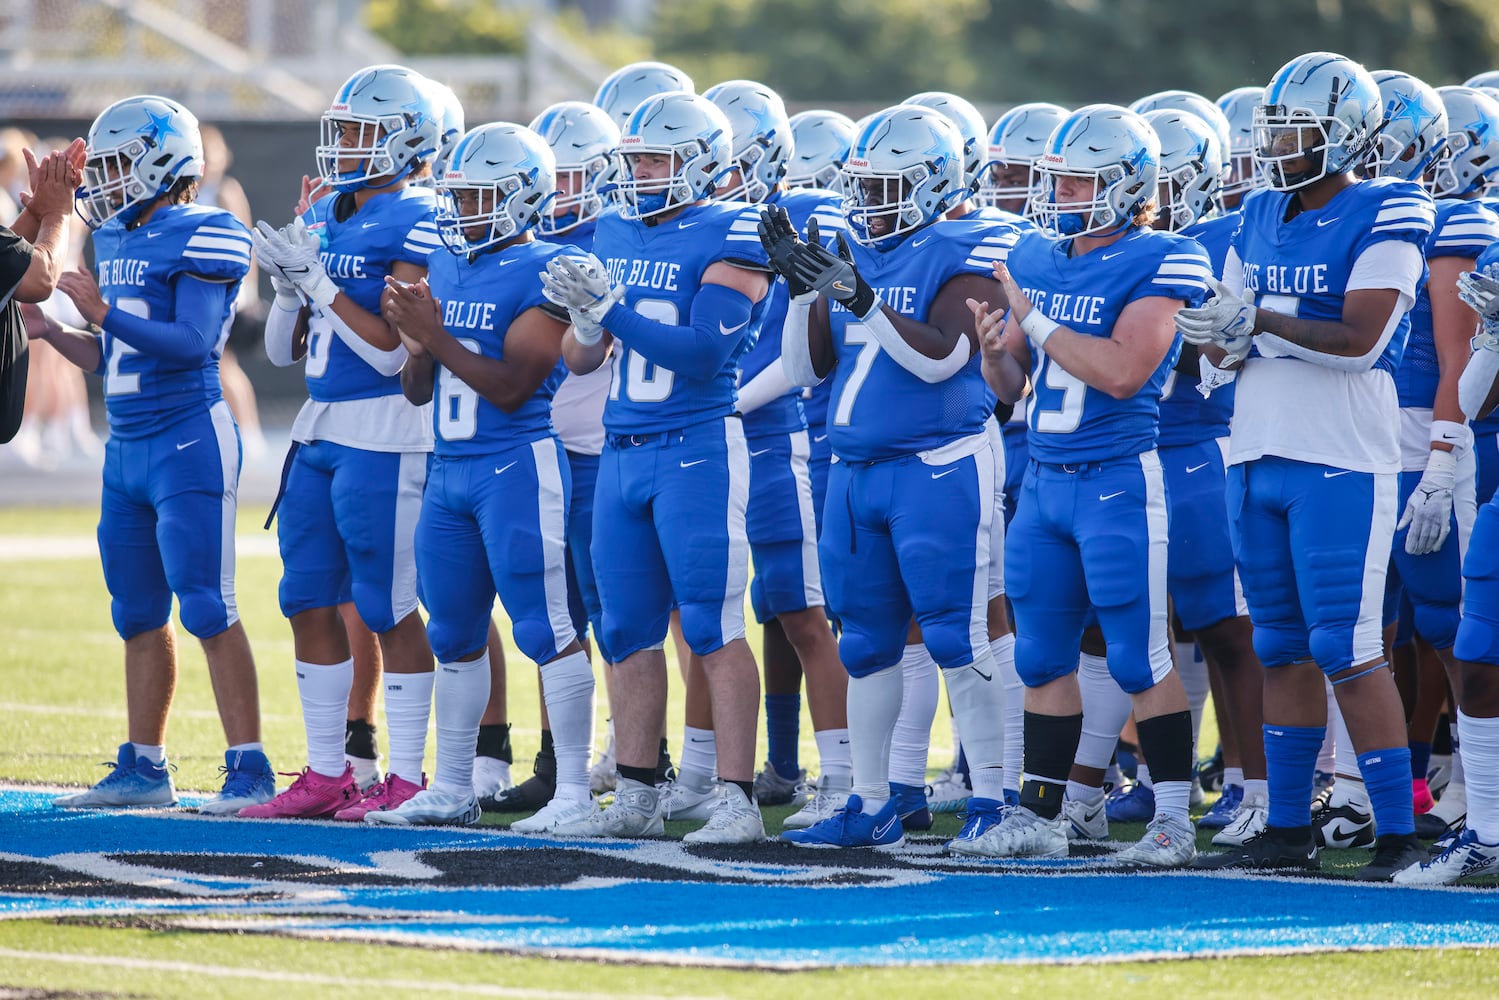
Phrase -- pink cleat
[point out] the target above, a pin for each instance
(382, 796)
(311, 796)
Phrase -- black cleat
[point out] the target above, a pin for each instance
(1210, 772)
(1393, 853)
(1272, 850)
(531, 794)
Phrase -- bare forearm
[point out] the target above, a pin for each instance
(79, 346)
(584, 358)
(418, 377)
(1101, 362)
(1323, 336)
(502, 384)
(1005, 376)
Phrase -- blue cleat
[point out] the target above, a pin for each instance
(983, 815)
(1223, 810)
(132, 781)
(911, 806)
(248, 781)
(1135, 805)
(851, 827)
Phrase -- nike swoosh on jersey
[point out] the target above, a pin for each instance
(1111, 256)
(688, 465)
(1326, 222)
(1195, 468)
(819, 439)
(1111, 496)
(947, 472)
(498, 471)
(729, 331)
(757, 454)
(1334, 475)
(188, 444)
(686, 225)
(369, 225)
(917, 243)
(152, 236)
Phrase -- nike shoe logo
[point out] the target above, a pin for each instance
(1334, 475)
(688, 465)
(1111, 496)
(498, 471)
(883, 831)
(1327, 222)
(1194, 468)
(757, 454)
(727, 330)
(939, 475)
(188, 444)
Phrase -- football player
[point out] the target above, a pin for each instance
(1332, 264)
(907, 427)
(1238, 107)
(485, 343)
(679, 287)
(159, 314)
(1092, 300)
(820, 141)
(353, 484)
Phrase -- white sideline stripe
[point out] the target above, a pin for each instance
(267, 975)
(22, 548)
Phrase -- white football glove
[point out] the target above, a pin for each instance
(266, 253)
(582, 287)
(1429, 510)
(1480, 290)
(1224, 321)
(293, 251)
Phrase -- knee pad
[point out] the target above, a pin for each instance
(536, 640)
(140, 613)
(1332, 648)
(952, 640)
(374, 606)
(1277, 647)
(864, 653)
(451, 640)
(704, 628)
(1437, 624)
(1477, 639)
(1115, 568)
(1037, 663)
(205, 614)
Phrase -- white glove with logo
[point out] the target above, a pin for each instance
(582, 287)
(1225, 321)
(294, 252)
(1480, 290)
(266, 253)
(1429, 510)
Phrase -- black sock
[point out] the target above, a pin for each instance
(359, 739)
(747, 787)
(1050, 747)
(1166, 742)
(644, 775)
(494, 741)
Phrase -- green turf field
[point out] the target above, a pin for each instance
(63, 704)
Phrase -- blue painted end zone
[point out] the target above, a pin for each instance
(662, 902)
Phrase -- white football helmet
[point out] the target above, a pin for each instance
(905, 170)
(687, 127)
(1015, 143)
(1321, 108)
(1484, 81)
(583, 138)
(137, 149)
(1471, 158)
(1191, 169)
(1415, 127)
(624, 89)
(1238, 107)
(1186, 100)
(502, 179)
(820, 144)
(452, 125)
(970, 125)
(1114, 148)
(392, 108)
(763, 143)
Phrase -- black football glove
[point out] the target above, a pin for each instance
(834, 275)
(778, 237)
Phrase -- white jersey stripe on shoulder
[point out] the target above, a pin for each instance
(221, 231)
(205, 255)
(218, 243)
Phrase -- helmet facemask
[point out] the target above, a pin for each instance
(579, 198)
(879, 207)
(110, 185)
(369, 154)
(1105, 213)
(1284, 139)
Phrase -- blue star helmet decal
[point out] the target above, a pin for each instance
(158, 127)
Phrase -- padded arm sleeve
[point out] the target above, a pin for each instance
(190, 338)
(280, 328)
(796, 348)
(384, 362)
(719, 318)
(930, 370)
(771, 384)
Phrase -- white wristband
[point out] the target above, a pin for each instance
(1038, 327)
(1450, 432)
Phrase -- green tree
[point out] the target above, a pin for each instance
(447, 27)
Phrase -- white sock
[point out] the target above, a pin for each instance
(1079, 792)
(1327, 758)
(957, 737)
(833, 753)
(460, 692)
(324, 690)
(874, 703)
(1143, 776)
(1349, 790)
(567, 684)
(408, 707)
(158, 754)
(1233, 776)
(1481, 748)
(1172, 798)
(911, 740)
(1257, 790)
(1457, 754)
(699, 757)
(1003, 651)
(978, 700)
(247, 747)
(1194, 674)
(1106, 709)
(1346, 758)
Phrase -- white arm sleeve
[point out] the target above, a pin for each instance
(1390, 264)
(930, 370)
(384, 362)
(771, 384)
(279, 326)
(1477, 379)
(1233, 272)
(796, 351)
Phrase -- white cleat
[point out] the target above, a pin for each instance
(735, 820)
(491, 777)
(1169, 842)
(949, 793)
(604, 772)
(560, 817)
(1021, 834)
(824, 802)
(366, 771)
(429, 807)
(1089, 820)
(681, 801)
(1248, 822)
(635, 812)
(1466, 857)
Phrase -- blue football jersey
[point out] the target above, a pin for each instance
(1490, 423)
(1462, 229)
(359, 250)
(479, 302)
(1301, 267)
(661, 268)
(1068, 420)
(137, 271)
(784, 415)
(878, 410)
(1186, 417)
